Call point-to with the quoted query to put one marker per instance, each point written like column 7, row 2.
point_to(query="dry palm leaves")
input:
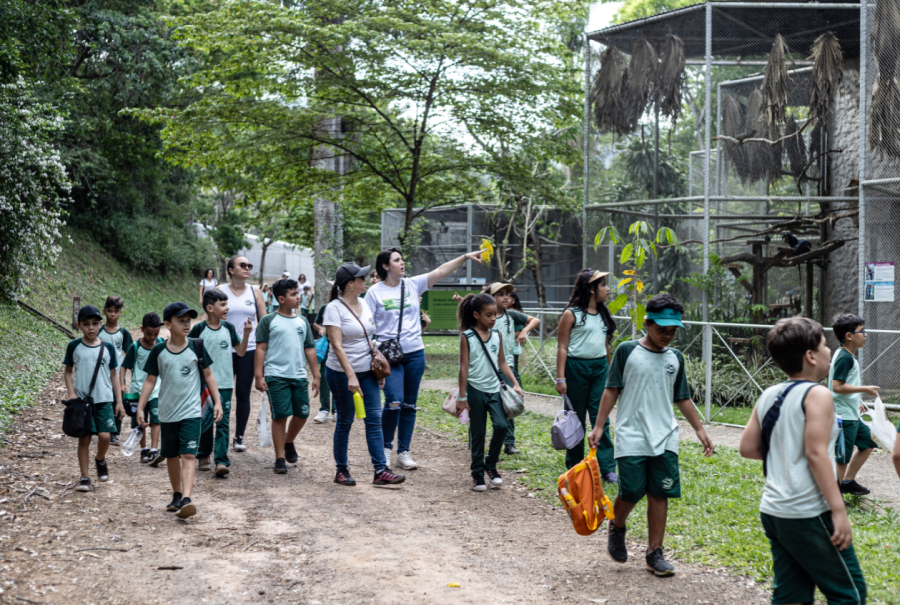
column 756, row 154
column 773, row 153
column 795, row 147
column 639, row 84
column 776, row 89
column 884, row 129
column 826, row 75
column 733, row 126
column 670, row 76
column 608, row 90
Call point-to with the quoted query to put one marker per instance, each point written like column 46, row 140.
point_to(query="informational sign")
column 76, row 305
column 441, row 308
column 879, row 282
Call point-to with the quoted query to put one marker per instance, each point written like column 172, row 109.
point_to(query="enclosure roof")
column 742, row 29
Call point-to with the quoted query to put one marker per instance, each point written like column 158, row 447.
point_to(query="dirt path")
column 266, row 538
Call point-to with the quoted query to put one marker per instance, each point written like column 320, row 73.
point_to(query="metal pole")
column 586, row 134
column 863, row 127
column 707, row 341
column 468, row 244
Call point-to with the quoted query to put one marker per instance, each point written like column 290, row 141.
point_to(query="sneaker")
column 387, row 456
column 511, row 450
column 114, row 440
column 175, row 504
column 290, row 453
column 102, row 470
column 853, row 488
column 145, row 455
column 343, row 477
column 155, row 458
column 84, row 485
column 203, row 464
column 221, row 470
column 657, row 563
column 321, row 417
column 238, row 445
column 478, row 484
column 280, row 467
column 186, row 509
column 406, row 462
column 615, row 544
column 496, row 479
column 611, row 478
column 386, row 477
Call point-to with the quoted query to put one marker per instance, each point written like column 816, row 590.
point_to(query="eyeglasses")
column 863, row 331
column 245, row 266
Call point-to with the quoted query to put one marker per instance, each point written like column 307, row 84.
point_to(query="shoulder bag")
column 380, row 367
column 513, row 405
column 567, row 431
column 79, row 412
column 391, row 349
column 207, row 407
column 770, row 419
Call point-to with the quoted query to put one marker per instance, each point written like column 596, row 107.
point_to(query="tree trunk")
column 326, row 261
column 266, row 242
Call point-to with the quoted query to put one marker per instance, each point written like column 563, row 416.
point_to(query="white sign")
column 879, row 282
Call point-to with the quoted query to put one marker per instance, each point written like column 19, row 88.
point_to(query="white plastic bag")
column 883, row 432
column 262, row 425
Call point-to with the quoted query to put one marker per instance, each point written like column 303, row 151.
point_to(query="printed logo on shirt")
column 301, row 332
column 223, row 344
column 493, row 348
column 185, row 371
column 668, row 483
column 392, row 304
column 248, row 303
column 671, row 369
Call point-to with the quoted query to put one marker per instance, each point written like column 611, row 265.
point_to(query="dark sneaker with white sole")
column 615, row 544
column 657, row 563
column 512, row 450
column 145, row 455
column 155, row 458
column 186, row 509
column 102, row 470
column 175, row 504
column 342, row 477
column 114, row 440
column 290, row 453
column 478, row 484
column 496, row 480
column 84, row 485
column 386, row 477
column 280, row 467
column 852, row 488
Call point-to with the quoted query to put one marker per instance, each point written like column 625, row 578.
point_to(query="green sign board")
column 441, row 308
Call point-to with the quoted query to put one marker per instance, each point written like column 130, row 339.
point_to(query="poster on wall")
column 879, row 282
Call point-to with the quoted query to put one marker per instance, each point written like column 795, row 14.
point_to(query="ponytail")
column 471, row 304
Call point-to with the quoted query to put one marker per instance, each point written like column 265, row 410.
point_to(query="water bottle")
column 360, row 406
column 131, row 443
column 464, row 417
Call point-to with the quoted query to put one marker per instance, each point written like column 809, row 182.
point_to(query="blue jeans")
column 401, row 392
column 346, row 412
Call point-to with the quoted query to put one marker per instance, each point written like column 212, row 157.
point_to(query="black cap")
column 178, row 309
column 88, row 311
column 349, row 271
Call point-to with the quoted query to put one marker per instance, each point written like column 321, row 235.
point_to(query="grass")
column 715, row 523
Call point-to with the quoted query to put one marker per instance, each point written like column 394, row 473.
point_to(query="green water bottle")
column 360, row 407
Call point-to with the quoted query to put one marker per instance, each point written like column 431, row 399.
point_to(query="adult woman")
column 244, row 302
column 586, row 330
column 350, row 327
column 207, row 283
column 401, row 388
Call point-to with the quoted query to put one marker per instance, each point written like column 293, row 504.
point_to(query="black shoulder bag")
column 79, row 412
column 391, row 349
column 769, row 421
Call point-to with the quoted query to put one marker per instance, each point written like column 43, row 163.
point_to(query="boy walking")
column 645, row 378
column 80, row 362
column 136, row 360
column 844, row 381
column 793, row 430
column 219, row 336
column 281, row 371
column 120, row 339
column 326, row 404
column 307, row 301
column 175, row 362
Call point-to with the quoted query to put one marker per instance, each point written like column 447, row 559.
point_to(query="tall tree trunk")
column 266, row 242
column 324, row 214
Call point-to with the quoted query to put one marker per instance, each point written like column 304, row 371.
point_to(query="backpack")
column 207, row 409
column 581, row 494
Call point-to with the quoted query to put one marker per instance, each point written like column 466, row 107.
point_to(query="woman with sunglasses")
column 244, row 302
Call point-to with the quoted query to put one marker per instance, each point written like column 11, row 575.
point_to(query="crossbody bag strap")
column 255, row 304
column 96, row 370
column 400, row 321
column 490, row 361
column 771, row 419
column 368, row 340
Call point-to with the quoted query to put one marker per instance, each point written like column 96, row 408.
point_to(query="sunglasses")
column 245, row 265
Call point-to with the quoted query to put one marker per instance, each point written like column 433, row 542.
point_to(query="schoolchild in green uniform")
column 506, row 324
column 135, row 360
column 219, row 336
column 479, row 386
column 80, row 362
column 282, row 341
column 120, row 339
column 586, row 330
column 845, row 383
column 793, row 430
column 176, row 364
column 646, row 376
column 326, row 404
column 307, row 300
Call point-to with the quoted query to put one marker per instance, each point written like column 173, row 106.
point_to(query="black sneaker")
column 478, row 484
column 290, row 453
column 84, row 485
column 175, row 504
column 114, row 440
column 496, row 480
column 343, row 477
column 615, row 543
column 186, row 509
column 386, row 477
column 102, row 470
column 853, row 488
column 155, row 458
column 145, row 455
column 511, row 450
column 280, row 467
column 657, row 563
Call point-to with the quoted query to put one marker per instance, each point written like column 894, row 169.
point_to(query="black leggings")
column 243, row 382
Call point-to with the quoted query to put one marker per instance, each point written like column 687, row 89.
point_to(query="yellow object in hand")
column 358, row 403
column 488, row 248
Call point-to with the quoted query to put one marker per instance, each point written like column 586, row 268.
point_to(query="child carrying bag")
column 79, row 412
column 883, row 431
column 581, row 494
column 513, row 405
column 567, row 431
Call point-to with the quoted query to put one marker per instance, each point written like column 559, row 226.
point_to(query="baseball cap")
column 88, row 311
column 499, row 287
column 286, row 275
column 349, row 271
column 666, row 317
column 178, row 309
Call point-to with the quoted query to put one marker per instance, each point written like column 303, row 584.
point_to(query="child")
column 136, row 360
column 281, row 371
column 793, row 430
column 175, row 362
column 218, row 337
column 307, row 300
column 506, row 324
column 80, row 362
column 844, row 381
column 646, row 376
column 479, row 385
column 267, row 297
column 120, row 339
column 326, row 402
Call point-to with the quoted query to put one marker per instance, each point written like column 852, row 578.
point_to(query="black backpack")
column 79, row 413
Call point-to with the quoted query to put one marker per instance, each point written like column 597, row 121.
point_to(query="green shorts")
column 856, row 434
column 657, row 476
column 179, row 438
column 288, row 397
column 103, row 419
column 151, row 411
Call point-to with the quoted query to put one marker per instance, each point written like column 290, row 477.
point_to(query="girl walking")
column 586, row 330
column 480, row 355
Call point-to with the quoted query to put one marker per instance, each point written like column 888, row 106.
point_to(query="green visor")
column 666, row 317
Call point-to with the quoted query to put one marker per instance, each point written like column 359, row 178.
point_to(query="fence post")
column 863, row 127
column 707, row 340
column 587, row 152
column 76, row 304
column 468, row 244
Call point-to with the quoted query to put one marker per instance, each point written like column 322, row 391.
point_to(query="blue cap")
column 178, row 309
column 666, row 317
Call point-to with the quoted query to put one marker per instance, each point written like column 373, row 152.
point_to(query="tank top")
column 588, row 340
column 240, row 308
column 209, row 284
column 481, row 374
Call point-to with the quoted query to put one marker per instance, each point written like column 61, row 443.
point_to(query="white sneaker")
column 239, row 445
column 406, row 461
column 387, row 456
column 321, row 417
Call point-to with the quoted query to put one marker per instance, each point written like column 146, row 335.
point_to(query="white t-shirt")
column 353, row 337
column 209, row 284
column 384, row 303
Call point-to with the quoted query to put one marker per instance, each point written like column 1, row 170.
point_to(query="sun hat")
column 500, row 287
column 597, row 275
